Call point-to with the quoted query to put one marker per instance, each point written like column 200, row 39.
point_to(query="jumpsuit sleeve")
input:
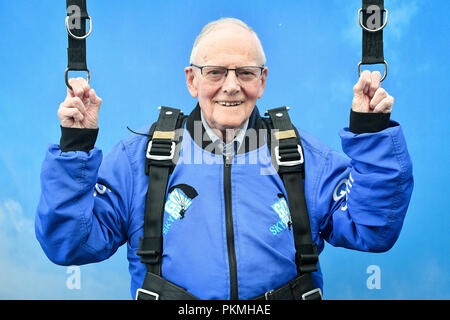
column 82, row 212
column 362, row 201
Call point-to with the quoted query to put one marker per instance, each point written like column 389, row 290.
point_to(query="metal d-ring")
column 385, row 70
column 373, row 30
column 79, row 37
column 66, row 76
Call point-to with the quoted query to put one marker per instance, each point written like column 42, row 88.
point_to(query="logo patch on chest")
column 178, row 201
column 282, row 210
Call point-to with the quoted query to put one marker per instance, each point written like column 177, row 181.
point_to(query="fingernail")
column 366, row 89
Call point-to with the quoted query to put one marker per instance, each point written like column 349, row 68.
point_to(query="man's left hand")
column 369, row 97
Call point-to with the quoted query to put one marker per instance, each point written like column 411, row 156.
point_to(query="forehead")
column 229, row 45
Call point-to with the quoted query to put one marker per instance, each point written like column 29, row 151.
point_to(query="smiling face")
column 229, row 104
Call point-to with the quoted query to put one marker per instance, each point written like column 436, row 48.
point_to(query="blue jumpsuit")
column 90, row 206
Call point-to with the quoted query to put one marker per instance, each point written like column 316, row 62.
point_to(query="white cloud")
column 12, row 220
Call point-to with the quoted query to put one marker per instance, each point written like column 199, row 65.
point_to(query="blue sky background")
column 137, row 52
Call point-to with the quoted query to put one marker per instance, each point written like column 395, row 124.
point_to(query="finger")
column 96, row 101
column 363, row 83
column 375, row 83
column 86, row 90
column 385, row 105
column 70, row 93
column 67, row 114
column 379, row 95
column 78, row 87
column 67, row 122
column 75, row 103
column 76, row 90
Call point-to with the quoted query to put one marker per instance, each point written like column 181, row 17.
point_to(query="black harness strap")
column 287, row 151
column 162, row 289
column 160, row 155
column 300, row 288
column 373, row 15
column 76, row 29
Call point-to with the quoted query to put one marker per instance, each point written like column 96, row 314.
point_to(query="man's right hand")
column 80, row 109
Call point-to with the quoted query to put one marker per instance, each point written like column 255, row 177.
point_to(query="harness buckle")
column 315, row 294
column 148, row 293
column 161, row 157
column 288, row 163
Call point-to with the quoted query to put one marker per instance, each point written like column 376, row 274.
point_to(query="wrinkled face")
column 230, row 46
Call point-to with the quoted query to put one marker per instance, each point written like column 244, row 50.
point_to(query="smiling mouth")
column 229, row 103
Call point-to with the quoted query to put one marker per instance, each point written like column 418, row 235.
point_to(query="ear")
column 263, row 82
column 191, row 81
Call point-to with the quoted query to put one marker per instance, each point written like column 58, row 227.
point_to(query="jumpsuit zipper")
column 229, row 228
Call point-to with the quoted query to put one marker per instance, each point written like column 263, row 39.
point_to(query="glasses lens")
column 214, row 74
column 248, row 74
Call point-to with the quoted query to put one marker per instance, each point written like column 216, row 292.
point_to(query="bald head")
column 217, row 34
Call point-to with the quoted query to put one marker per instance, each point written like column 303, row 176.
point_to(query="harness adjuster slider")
column 307, row 258
column 149, row 256
column 289, row 163
column 170, row 150
column 150, row 250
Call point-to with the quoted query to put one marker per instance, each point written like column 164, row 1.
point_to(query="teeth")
column 229, row 103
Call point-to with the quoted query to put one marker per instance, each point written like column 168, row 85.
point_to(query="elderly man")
column 226, row 225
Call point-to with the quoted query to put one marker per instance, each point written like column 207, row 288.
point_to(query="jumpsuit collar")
column 201, row 133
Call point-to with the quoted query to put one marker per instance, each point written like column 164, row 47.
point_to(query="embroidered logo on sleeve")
column 282, row 210
column 343, row 188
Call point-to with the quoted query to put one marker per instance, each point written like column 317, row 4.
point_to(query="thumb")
column 96, row 101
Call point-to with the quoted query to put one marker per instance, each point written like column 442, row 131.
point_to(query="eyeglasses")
column 217, row 74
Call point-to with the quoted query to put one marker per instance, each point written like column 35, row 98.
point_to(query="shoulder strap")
column 287, row 157
column 161, row 155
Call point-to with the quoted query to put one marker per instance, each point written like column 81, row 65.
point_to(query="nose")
column 231, row 84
